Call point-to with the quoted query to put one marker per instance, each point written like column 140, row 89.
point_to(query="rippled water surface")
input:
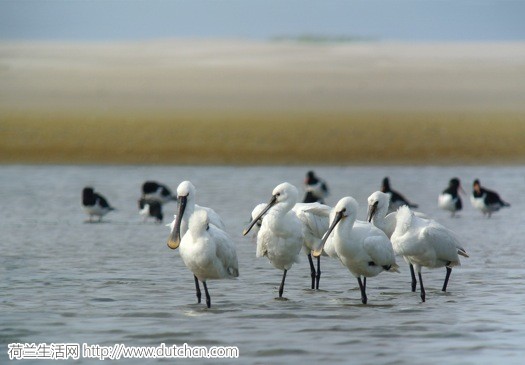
column 66, row 281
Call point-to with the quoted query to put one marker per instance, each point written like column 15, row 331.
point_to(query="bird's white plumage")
column 313, row 216
column 479, row 204
column 378, row 208
column 315, row 219
column 208, row 251
column 188, row 190
column 358, row 244
column 424, row 242
column 447, row 202
column 281, row 236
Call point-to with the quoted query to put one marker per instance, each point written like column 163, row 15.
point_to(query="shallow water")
column 65, row 281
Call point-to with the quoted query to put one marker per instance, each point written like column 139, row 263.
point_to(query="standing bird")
column 396, row 200
column 315, row 220
column 152, row 190
column 487, row 201
column 186, row 209
column 315, row 187
column 424, row 242
column 364, row 249
column 280, row 237
column 449, row 199
column 208, row 252
column 95, row 204
column 378, row 213
column 150, row 208
column 378, row 203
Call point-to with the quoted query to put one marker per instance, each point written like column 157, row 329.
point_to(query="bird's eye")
column 278, row 194
column 207, row 227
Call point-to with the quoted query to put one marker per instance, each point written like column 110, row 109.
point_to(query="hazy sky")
column 408, row 20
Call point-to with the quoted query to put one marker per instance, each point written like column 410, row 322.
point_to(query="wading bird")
column 425, row 243
column 378, row 213
column 315, row 219
column 152, row 190
column 186, row 209
column 208, row 252
column 363, row 248
column 449, row 199
column 95, row 204
column 316, row 189
column 485, row 200
column 150, row 208
column 280, row 237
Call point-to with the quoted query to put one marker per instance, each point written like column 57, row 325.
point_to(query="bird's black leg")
column 197, row 289
column 281, row 287
column 449, row 270
column 422, row 287
column 312, row 270
column 414, row 281
column 208, row 299
column 362, row 287
column 318, row 275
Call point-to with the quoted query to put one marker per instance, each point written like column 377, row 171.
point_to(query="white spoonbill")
column 186, row 208
column 424, row 242
column 485, row 200
column 449, row 199
column 315, row 219
column 364, row 249
column 280, row 237
column 378, row 207
column 208, row 252
column 95, row 204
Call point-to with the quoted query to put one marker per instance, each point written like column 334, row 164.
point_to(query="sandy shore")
column 237, row 102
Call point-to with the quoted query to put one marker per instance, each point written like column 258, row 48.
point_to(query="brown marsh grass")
column 244, row 138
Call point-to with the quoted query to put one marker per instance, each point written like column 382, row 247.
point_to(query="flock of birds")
column 284, row 227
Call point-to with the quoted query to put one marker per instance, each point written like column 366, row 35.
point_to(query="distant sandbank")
column 239, row 102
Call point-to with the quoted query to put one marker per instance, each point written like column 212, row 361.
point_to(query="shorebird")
column 95, row 204
column 425, row 243
column 280, row 237
column 449, row 199
column 208, row 252
column 186, row 209
column 152, row 190
column 315, row 220
column 378, row 215
column 150, row 208
column 485, row 200
column 315, row 187
column 363, row 248
column 396, row 199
